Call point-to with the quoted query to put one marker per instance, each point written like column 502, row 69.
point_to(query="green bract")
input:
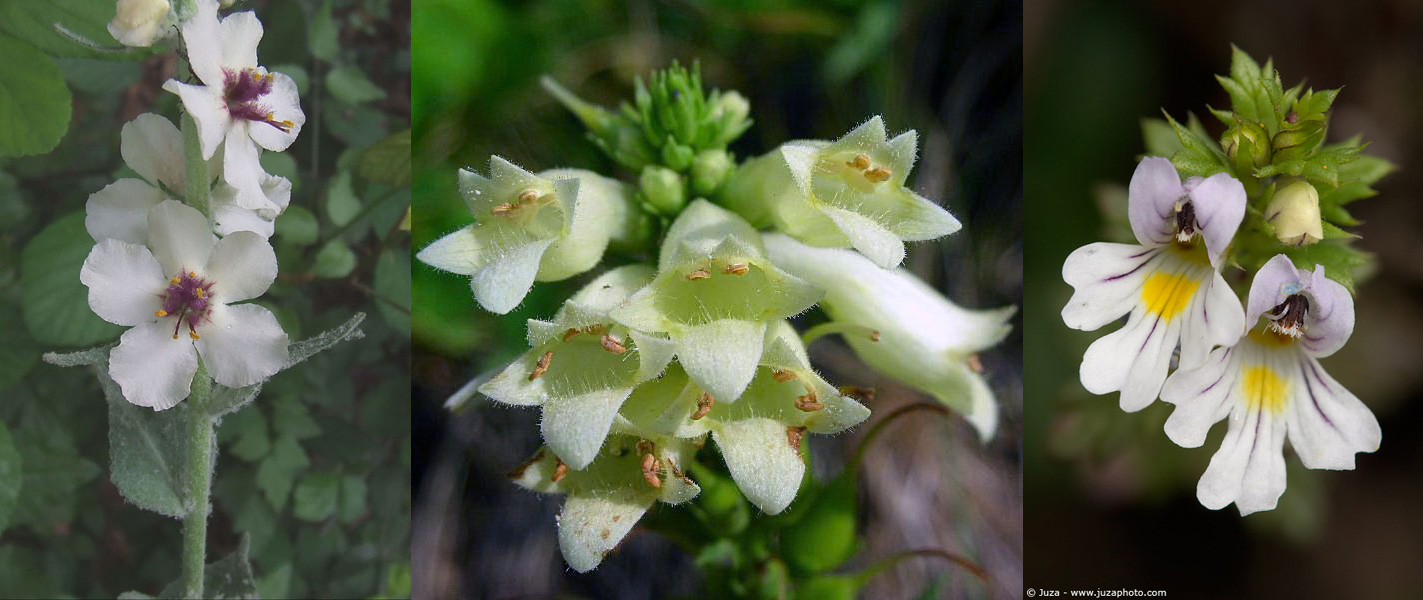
column 548, row 227
column 850, row 192
column 714, row 294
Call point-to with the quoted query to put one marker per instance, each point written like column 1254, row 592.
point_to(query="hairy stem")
column 197, row 169
column 842, row 328
column 199, row 482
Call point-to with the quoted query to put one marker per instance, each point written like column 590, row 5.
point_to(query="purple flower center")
column 243, row 92
column 188, row 299
column 1288, row 317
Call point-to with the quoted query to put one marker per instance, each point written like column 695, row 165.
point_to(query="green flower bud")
column 824, row 536
column 729, row 110
column 1293, row 211
column 1247, row 145
column 618, row 136
column 850, row 192
column 1298, row 141
column 710, row 169
column 663, row 189
column 677, row 156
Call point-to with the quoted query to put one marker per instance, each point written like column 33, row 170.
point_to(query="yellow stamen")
column 1264, row 389
column 528, row 196
column 560, row 471
column 200, row 292
column 737, row 269
column 704, row 406
column 175, row 280
column 192, row 273
column 1167, row 295
column 612, row 345
column 698, row 275
column 793, row 437
column 861, row 162
column 542, row 365
column 878, row 175
column 782, row 376
column 808, row 403
column 650, row 468
column 193, row 334
column 161, row 313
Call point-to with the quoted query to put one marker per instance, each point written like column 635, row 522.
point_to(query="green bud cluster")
column 1298, row 185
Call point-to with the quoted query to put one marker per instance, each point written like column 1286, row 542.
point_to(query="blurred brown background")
column 810, row 69
column 1110, row 500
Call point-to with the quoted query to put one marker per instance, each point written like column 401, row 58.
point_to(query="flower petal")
column 1132, row 360
column 1327, row 423
column 1274, row 282
column 458, row 252
column 228, row 217
column 919, row 218
column 878, row 244
column 700, row 229
column 502, row 284
column 512, row 385
column 574, row 427
column 120, row 211
column 153, row 147
column 242, row 267
column 1249, row 468
column 179, row 236
column 721, row 356
column 1203, row 396
column 1330, row 320
column 240, row 34
column 590, row 526
column 1106, row 280
column 151, row 367
column 1151, row 198
column 1219, row 204
column 124, row 282
column 242, row 168
column 761, row 460
column 242, row 345
column 203, row 35
column 208, row 109
column 285, row 105
column 1215, row 318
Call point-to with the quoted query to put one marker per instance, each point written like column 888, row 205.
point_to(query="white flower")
column 1170, row 285
column 714, row 295
column 153, row 147
column 1271, row 386
column 528, row 227
column 850, row 192
column 925, row 340
column 185, row 279
column 141, row 22
column 240, row 102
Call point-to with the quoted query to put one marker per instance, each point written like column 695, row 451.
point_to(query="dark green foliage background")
column 316, row 471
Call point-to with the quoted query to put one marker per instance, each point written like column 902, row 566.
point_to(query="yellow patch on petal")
column 1274, row 339
column 1264, row 389
column 1167, row 295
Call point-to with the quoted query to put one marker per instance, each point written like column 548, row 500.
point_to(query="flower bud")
column 710, row 169
column 1294, row 213
column 140, row 22
column 663, row 189
column 1247, row 145
column 1299, row 140
column 729, row 110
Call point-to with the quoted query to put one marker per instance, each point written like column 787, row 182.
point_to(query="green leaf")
column 388, row 161
column 278, row 470
column 350, row 85
column 277, row 582
column 316, row 496
column 226, row 400
column 53, row 471
column 334, row 261
column 291, row 418
column 11, row 476
column 55, row 303
column 282, row 164
column 298, row 226
column 34, row 102
column 1160, row 137
column 250, row 426
column 1332, row 232
column 148, row 452
column 342, row 205
column 353, row 499
column 38, row 23
column 1197, row 157
column 17, row 354
column 392, row 284
column 321, row 34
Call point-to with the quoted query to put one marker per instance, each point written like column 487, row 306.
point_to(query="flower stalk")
column 199, row 481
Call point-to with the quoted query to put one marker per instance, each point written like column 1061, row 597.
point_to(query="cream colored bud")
column 1294, row 212
column 140, row 22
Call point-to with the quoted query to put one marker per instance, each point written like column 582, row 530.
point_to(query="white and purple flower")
column 1169, row 286
column 177, row 294
column 1271, row 386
